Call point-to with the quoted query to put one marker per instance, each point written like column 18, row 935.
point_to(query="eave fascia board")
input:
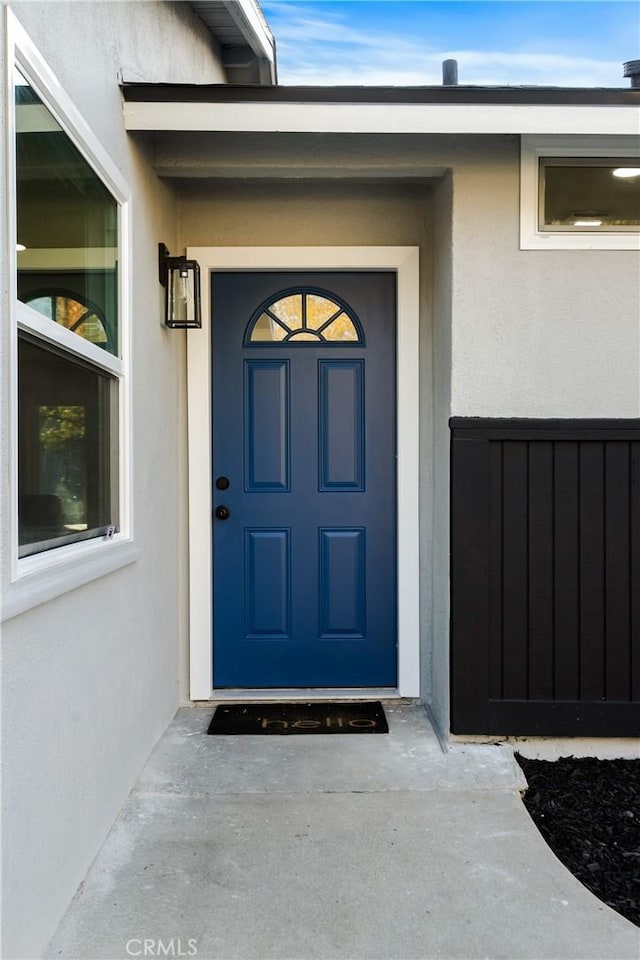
column 383, row 118
column 457, row 96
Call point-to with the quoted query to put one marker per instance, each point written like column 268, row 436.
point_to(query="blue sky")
column 556, row 42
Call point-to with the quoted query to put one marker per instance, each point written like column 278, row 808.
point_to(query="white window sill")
column 45, row 576
column 533, row 240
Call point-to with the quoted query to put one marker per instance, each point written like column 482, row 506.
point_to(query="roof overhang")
column 385, row 110
column 246, row 42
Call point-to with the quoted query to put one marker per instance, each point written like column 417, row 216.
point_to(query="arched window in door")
column 304, row 315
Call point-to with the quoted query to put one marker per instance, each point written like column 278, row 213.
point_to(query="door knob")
column 222, row 483
column 222, row 512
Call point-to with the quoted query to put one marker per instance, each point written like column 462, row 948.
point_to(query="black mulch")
column 588, row 811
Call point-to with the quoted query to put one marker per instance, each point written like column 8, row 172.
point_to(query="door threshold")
column 301, row 693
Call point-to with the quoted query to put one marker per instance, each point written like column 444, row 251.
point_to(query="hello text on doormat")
column 269, row 719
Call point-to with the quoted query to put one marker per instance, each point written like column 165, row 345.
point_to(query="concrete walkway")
column 332, row 847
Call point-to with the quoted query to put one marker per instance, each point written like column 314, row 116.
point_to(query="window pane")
column 341, row 328
column 319, row 309
column 289, row 310
column 66, row 474
column 67, row 222
column 590, row 196
column 267, row 329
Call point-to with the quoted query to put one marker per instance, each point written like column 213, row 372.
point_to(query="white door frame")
column 405, row 263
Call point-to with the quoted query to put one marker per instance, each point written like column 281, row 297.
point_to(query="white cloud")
column 321, row 49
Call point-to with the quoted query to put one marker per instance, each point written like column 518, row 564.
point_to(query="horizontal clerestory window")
column 589, row 194
column 580, row 192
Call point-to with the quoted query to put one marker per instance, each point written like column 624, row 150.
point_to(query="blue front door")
column 304, row 468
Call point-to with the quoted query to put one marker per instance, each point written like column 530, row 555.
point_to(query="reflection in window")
column 80, row 318
column 596, row 194
column 309, row 317
column 67, row 222
column 65, row 473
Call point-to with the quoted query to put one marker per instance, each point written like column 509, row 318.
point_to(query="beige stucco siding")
column 535, row 333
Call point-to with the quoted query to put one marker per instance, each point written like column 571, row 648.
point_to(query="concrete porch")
column 332, row 848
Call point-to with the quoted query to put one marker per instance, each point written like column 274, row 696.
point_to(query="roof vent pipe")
column 632, row 70
column 449, row 73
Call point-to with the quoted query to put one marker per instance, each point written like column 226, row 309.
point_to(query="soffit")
column 242, row 32
column 237, row 23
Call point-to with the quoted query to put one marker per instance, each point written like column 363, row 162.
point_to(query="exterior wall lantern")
column 181, row 279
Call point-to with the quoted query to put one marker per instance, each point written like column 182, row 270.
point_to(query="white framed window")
column 68, row 214
column 580, row 193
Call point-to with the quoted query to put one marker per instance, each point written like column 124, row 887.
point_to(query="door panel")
column 342, row 584
column 266, row 425
column 304, row 429
column 267, row 583
column 341, row 424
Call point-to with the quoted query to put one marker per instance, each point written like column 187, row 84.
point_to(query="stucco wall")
column 299, row 213
column 90, row 679
column 438, row 615
column 535, row 333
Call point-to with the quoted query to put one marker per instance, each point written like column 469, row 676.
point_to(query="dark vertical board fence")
column 545, row 591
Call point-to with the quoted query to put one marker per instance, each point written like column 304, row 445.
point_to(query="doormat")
column 290, row 718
